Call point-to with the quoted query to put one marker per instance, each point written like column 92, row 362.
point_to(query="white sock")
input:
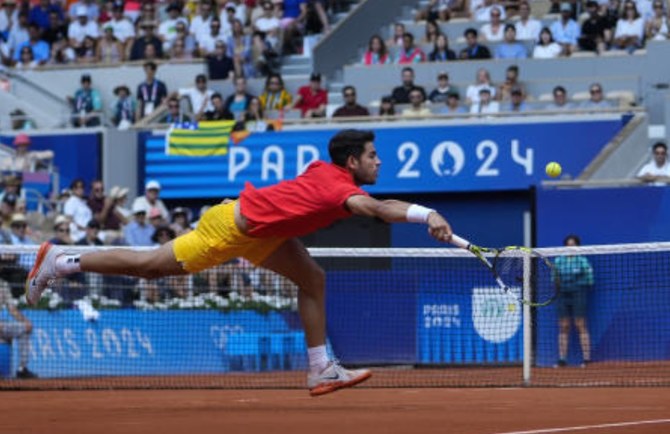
column 318, row 359
column 68, row 264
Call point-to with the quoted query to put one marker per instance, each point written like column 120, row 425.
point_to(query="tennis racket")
column 508, row 265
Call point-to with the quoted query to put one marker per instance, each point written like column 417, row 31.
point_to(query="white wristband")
column 418, row 213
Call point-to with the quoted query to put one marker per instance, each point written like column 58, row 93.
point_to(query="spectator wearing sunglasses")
column 351, row 107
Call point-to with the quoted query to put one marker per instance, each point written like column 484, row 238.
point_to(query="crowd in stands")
column 251, row 34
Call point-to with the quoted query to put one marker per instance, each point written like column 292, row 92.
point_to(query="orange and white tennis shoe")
column 43, row 273
column 335, row 377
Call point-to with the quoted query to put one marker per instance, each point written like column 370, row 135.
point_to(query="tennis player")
column 263, row 226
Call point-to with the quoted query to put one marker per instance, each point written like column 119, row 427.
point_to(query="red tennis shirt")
column 298, row 207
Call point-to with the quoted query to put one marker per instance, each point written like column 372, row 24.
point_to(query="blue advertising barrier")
column 130, row 342
column 414, row 159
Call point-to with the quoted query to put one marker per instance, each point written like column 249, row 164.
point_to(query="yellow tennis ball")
column 553, row 169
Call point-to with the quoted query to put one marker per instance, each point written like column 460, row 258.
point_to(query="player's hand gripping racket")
column 507, row 266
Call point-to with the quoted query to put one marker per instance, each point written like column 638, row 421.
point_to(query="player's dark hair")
column 348, row 143
column 573, row 237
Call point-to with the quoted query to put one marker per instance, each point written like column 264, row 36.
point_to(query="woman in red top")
column 263, row 226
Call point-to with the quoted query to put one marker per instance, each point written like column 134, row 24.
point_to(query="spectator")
column 9, row 14
column 155, row 218
column 26, row 59
column 89, row 7
column 546, row 47
column 527, row 28
column 21, row 121
column 516, row 103
column 167, row 30
column 19, row 237
column 62, row 232
column 275, row 96
column 102, row 207
column 138, row 232
column 432, row 32
column 493, row 31
column 560, row 100
column 438, row 10
column 147, row 12
column 178, row 50
column 410, row 53
column 123, row 29
column 86, row 105
column 138, row 50
column 483, row 81
column 219, row 65
column 7, row 209
column 265, row 52
column 656, row 27
column 82, row 27
column 181, row 220
column 484, row 9
column 350, row 108
column 510, row 48
column 20, row 329
column 440, row 94
column 657, row 171
column 253, row 119
column 151, row 199
column 441, row 51
column 268, row 22
column 387, row 106
column 400, row 93
column 453, row 105
column 109, row 49
column 124, row 108
column 574, row 275
column 56, row 33
column 200, row 24
column 18, row 35
column 611, row 13
column 91, row 237
column 292, row 21
column 511, row 82
column 238, row 102
column 39, row 14
column 40, row 49
column 119, row 196
column 207, row 42
column 87, row 51
column 199, row 96
column 239, row 49
column 398, row 35
column 597, row 99
column 417, row 107
column 77, row 210
column 377, row 53
column 218, row 112
column 174, row 113
column 312, row 99
column 151, row 93
column 226, row 18
column 566, row 30
column 485, row 103
column 24, row 160
column 629, row 33
column 473, row 50
column 594, row 30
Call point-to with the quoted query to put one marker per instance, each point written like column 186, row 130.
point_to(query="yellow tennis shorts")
column 217, row 239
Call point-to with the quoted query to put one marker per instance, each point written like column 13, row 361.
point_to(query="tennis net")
column 419, row 317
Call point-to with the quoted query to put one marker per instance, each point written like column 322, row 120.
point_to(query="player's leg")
column 293, row 261
column 564, row 315
column 580, row 325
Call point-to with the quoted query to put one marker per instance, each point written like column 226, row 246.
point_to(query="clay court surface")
column 405, row 410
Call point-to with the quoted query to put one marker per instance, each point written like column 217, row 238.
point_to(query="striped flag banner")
column 199, row 139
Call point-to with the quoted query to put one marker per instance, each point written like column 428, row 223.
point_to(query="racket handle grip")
column 459, row 242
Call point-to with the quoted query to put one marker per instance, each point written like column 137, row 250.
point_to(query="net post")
column 527, row 322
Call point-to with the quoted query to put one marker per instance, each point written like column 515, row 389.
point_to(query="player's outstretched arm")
column 393, row 211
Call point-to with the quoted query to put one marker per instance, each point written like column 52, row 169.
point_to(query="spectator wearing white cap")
column 62, row 231
column 138, row 232
column 24, row 160
column 150, row 199
column 82, row 27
